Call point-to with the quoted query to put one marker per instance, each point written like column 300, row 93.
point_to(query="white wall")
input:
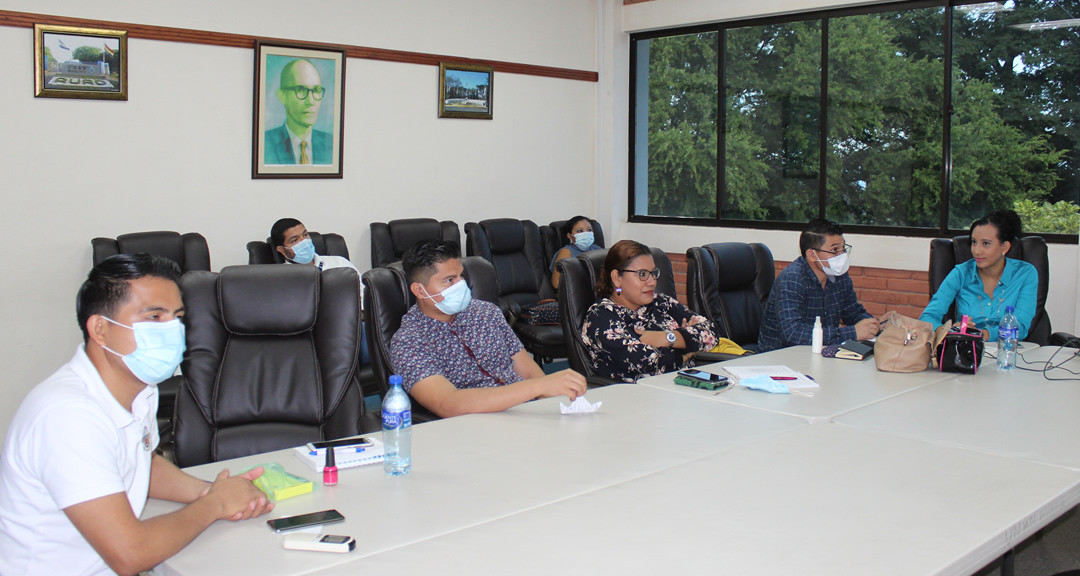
column 177, row 155
column 879, row 251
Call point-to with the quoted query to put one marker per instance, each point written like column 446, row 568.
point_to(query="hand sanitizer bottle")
column 818, row 336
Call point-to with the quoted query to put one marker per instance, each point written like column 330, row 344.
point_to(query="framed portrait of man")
column 299, row 123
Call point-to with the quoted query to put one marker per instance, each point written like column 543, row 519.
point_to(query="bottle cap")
column 1009, row 309
column 330, row 457
column 395, row 380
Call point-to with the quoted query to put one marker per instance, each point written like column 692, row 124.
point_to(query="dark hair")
column 813, row 236
column 420, row 259
column 568, row 228
column 107, row 286
column 1006, row 222
column 277, row 231
column 618, row 257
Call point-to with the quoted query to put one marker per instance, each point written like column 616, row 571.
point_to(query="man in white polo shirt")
column 78, row 461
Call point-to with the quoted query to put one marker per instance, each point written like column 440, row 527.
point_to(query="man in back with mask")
column 816, row 284
column 457, row 355
column 290, row 238
column 78, row 461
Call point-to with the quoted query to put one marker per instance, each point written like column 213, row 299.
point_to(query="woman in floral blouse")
column 631, row 331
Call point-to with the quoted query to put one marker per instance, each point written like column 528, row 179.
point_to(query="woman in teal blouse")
column 983, row 286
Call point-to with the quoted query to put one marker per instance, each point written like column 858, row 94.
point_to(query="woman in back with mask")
column 578, row 232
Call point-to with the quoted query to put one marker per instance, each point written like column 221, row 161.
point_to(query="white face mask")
column 835, row 266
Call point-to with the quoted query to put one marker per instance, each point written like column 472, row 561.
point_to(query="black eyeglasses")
column 302, row 92
column 644, row 274
column 837, row 252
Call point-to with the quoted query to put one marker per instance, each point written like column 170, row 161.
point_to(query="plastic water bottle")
column 816, row 336
column 397, row 430
column 1008, row 331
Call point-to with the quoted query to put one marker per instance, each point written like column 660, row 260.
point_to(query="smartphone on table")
column 358, row 441
column 288, row 523
column 701, row 379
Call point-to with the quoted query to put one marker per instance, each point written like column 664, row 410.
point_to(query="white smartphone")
column 319, row 543
column 358, row 441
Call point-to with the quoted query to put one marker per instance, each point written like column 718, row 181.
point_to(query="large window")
column 913, row 118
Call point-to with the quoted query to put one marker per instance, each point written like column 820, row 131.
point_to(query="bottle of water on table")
column 397, row 430
column 1008, row 332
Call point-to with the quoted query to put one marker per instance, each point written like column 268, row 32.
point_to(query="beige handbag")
column 905, row 345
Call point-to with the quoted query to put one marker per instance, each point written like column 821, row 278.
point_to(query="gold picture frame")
column 309, row 113
column 465, row 90
column 65, row 64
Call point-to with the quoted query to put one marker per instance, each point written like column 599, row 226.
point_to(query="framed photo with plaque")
column 72, row 62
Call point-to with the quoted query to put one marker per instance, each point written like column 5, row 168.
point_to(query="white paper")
column 800, row 382
column 580, row 406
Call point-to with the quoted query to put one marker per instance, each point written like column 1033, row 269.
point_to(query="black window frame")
column 942, row 231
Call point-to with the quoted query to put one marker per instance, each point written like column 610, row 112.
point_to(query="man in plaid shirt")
column 816, row 284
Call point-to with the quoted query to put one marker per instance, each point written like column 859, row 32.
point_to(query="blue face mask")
column 583, row 240
column 159, row 348
column 765, row 384
column 455, row 298
column 303, row 251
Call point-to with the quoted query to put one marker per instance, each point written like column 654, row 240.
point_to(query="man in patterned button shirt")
column 457, row 355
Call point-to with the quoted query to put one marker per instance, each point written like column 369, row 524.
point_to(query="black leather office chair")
column 388, row 299
column 261, row 252
column 728, row 283
column 577, row 292
column 513, row 248
column 946, row 253
column 390, row 240
column 554, row 239
column 262, row 376
column 190, row 252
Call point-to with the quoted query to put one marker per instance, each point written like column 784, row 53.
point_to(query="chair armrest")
column 600, row 381
column 710, row 357
column 1064, row 339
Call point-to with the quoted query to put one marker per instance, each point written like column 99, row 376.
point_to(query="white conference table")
column 821, row 500
column 846, row 385
column 660, row 480
column 475, row 469
column 1016, row 414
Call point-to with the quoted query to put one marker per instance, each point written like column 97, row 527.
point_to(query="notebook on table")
column 344, row 457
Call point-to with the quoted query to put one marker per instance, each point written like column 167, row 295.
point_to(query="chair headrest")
column 505, row 235
column 735, row 265
column 406, row 233
column 166, row 244
column 259, row 300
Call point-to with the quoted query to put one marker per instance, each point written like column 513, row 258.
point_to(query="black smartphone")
column 305, row 520
column 354, row 441
column 703, row 375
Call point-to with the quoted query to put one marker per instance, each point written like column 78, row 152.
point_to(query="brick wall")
column 878, row 289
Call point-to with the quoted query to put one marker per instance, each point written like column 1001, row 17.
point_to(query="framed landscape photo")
column 299, row 123
column 72, row 62
column 465, row 90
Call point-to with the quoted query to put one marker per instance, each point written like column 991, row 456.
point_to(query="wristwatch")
column 671, row 337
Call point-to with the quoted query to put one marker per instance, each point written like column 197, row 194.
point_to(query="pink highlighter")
column 329, row 473
column 963, row 324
